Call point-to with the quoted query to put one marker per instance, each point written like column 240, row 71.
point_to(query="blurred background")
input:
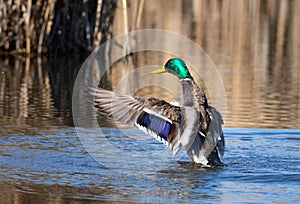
column 255, row 47
column 254, row 44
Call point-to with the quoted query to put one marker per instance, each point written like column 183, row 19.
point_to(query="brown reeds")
column 54, row 27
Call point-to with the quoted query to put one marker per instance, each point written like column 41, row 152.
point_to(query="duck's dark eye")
column 169, row 63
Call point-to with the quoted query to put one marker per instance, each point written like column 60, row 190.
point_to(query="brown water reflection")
column 36, row 92
column 254, row 44
column 31, row 193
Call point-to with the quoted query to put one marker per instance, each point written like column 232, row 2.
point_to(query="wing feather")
column 156, row 117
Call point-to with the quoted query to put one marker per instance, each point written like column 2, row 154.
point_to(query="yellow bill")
column 157, row 71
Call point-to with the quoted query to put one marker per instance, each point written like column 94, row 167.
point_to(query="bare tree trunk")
column 42, row 33
column 97, row 34
column 126, row 46
column 28, row 27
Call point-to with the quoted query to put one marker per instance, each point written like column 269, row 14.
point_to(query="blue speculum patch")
column 156, row 124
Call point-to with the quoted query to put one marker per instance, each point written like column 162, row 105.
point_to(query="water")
column 256, row 52
column 52, row 165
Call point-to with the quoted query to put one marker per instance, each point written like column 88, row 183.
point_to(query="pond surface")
column 256, row 50
column 263, row 166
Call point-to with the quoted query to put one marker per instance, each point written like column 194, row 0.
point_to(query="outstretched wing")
column 155, row 117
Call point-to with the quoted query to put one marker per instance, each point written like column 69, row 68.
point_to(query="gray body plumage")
column 205, row 141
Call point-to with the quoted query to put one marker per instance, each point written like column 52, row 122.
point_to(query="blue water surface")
column 263, row 166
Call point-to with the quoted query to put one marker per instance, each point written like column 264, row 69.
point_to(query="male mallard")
column 194, row 125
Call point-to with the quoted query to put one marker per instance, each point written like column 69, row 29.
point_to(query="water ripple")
column 259, row 162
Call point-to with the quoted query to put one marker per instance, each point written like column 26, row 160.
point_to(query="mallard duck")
column 194, row 125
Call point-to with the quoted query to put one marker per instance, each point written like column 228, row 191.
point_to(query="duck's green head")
column 175, row 66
